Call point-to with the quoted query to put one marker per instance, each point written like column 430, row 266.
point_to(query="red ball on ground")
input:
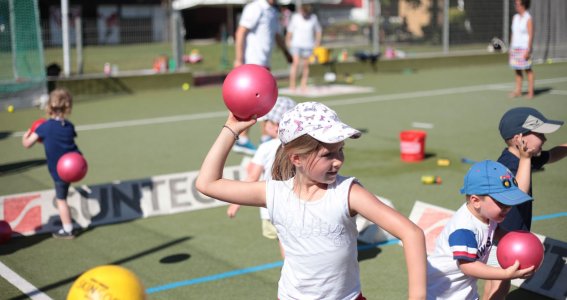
column 522, row 246
column 36, row 124
column 249, row 90
column 72, row 167
column 5, row 231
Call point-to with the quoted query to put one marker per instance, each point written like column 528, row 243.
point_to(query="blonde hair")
column 60, row 103
column 283, row 168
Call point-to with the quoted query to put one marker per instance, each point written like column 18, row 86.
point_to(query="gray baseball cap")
column 525, row 119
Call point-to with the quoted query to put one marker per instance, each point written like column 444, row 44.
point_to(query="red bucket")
column 412, row 145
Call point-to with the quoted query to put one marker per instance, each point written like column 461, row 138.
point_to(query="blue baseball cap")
column 525, row 119
column 495, row 180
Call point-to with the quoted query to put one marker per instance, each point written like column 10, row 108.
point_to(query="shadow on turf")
column 540, row 91
column 427, row 155
column 367, row 251
column 116, row 262
column 20, row 166
column 174, row 258
column 5, row 134
column 22, row 242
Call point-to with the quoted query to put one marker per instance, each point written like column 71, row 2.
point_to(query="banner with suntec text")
column 36, row 212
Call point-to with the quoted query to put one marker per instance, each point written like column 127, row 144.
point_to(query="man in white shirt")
column 254, row 39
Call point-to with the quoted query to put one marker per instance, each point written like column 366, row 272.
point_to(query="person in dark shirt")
column 58, row 137
column 523, row 129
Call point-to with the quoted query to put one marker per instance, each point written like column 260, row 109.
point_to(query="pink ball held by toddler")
column 520, row 245
column 72, row 167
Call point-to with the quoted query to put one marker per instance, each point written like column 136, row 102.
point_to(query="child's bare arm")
column 254, row 171
column 239, row 43
column 365, row 203
column 29, row 138
column 210, row 180
column 524, row 168
column 480, row 270
column 232, row 210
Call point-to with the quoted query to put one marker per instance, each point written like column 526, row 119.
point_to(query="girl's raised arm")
column 210, row 181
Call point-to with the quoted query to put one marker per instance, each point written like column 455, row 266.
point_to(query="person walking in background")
column 285, row 16
column 257, row 30
column 523, row 130
column 303, row 35
column 58, row 137
column 521, row 43
column 312, row 206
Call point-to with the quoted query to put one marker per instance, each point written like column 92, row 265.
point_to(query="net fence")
column 550, row 34
column 416, row 27
column 22, row 70
column 131, row 37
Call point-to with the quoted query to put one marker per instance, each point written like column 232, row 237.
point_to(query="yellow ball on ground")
column 186, row 86
column 10, row 108
column 107, row 282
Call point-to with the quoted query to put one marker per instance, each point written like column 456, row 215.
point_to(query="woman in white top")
column 303, row 35
column 521, row 48
column 313, row 207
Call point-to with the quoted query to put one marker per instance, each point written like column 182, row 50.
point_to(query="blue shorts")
column 61, row 190
column 302, row 52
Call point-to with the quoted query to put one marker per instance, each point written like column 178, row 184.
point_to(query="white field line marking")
column 439, row 92
column 422, row 125
column 142, row 122
column 351, row 101
column 22, row 284
column 558, row 92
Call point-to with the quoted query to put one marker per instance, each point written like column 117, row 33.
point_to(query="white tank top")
column 319, row 239
column 520, row 34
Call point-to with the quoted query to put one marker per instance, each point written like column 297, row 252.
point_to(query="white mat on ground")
column 326, row 90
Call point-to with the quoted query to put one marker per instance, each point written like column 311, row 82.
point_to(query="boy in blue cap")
column 462, row 248
column 523, row 129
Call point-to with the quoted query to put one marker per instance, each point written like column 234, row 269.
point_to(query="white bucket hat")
column 316, row 120
column 282, row 105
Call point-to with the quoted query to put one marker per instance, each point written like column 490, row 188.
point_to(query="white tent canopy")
column 183, row 4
